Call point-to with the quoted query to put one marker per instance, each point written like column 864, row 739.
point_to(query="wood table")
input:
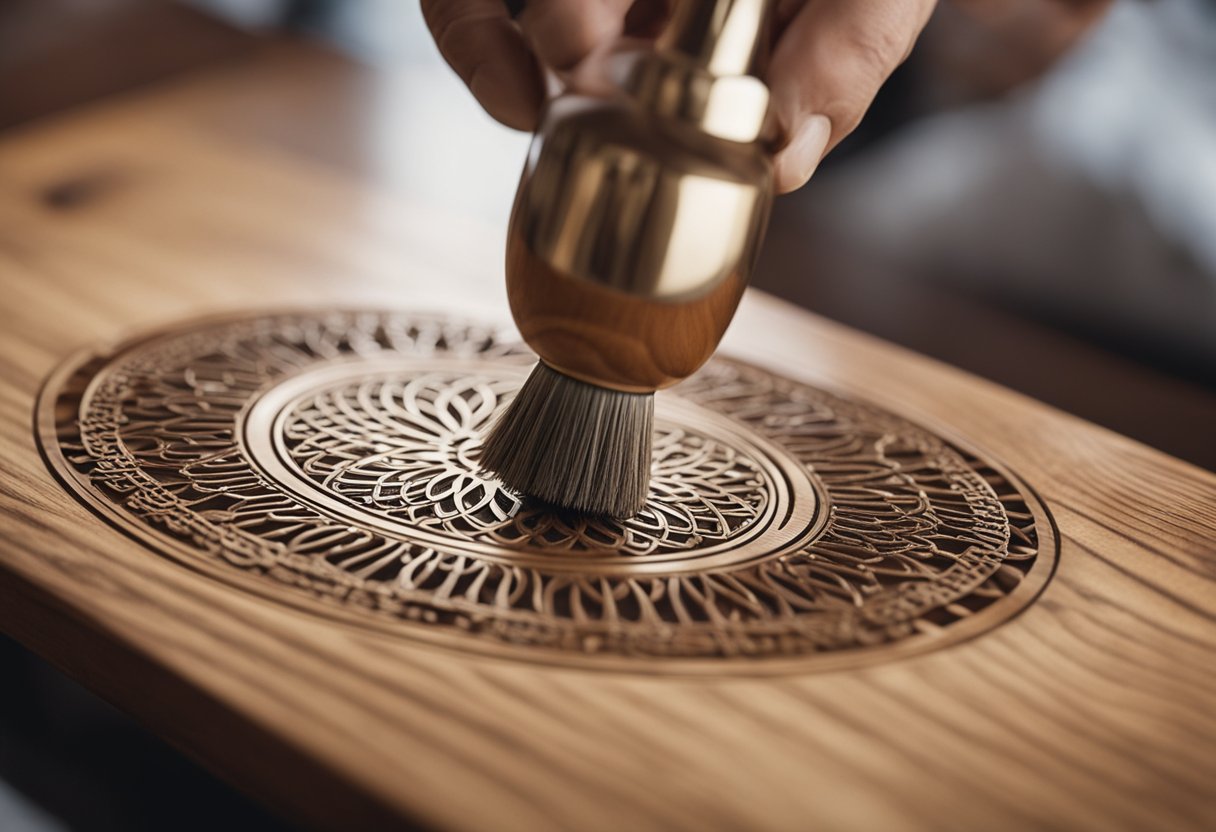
column 1094, row 708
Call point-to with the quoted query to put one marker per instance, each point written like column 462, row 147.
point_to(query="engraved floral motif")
column 407, row 448
column 915, row 538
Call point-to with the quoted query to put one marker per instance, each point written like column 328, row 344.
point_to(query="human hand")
column 828, row 62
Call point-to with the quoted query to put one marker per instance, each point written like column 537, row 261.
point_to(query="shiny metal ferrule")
column 644, row 200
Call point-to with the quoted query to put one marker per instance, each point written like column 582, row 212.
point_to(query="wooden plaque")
column 240, row 409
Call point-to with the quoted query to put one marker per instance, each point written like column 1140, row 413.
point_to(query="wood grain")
column 1094, row 709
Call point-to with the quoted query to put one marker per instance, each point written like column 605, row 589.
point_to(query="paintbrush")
column 637, row 221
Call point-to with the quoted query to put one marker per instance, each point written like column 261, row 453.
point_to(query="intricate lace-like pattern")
column 407, row 447
column 330, row 461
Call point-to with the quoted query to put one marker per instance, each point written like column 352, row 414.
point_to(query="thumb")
column 829, row 63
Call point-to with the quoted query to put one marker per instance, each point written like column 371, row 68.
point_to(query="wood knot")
column 76, row 192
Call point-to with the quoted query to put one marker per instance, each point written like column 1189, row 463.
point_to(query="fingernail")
column 798, row 159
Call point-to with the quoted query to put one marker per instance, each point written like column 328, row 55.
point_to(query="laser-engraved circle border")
column 793, row 513
column 63, row 401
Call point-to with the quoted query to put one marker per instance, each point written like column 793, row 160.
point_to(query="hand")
column 829, row 60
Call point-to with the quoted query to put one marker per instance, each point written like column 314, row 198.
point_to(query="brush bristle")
column 574, row 444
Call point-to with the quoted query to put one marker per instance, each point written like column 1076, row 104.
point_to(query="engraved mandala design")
column 407, row 447
column 329, row 460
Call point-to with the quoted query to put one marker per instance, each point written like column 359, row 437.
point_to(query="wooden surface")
column 58, row 53
column 1094, row 709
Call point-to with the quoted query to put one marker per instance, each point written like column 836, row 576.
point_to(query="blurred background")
column 1032, row 198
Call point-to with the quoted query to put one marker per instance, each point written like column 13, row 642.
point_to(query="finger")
column 830, row 61
column 563, row 32
column 485, row 48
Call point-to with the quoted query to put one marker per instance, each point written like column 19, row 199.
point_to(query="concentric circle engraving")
column 393, row 445
column 329, row 460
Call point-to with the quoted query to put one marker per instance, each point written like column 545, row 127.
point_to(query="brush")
column 637, row 221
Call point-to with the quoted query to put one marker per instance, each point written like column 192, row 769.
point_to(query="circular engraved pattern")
column 393, row 445
column 329, row 460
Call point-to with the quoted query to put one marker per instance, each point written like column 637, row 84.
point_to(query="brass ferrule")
column 644, row 200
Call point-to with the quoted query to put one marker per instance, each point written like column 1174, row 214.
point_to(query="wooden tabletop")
column 1092, row 709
